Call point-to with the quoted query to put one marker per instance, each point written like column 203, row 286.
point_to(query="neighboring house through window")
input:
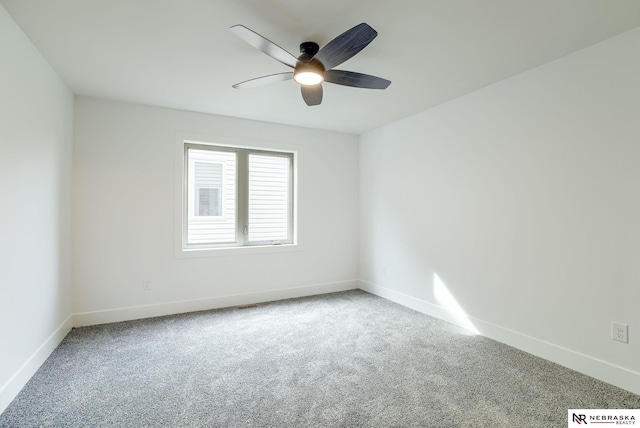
column 237, row 197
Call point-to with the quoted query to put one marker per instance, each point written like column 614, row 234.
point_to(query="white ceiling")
column 181, row 54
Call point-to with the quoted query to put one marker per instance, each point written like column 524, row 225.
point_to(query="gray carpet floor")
column 346, row 359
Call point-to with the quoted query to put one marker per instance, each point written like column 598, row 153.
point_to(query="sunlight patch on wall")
column 448, row 302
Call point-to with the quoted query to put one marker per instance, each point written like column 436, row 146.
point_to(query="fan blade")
column 312, row 94
column 264, row 80
column 357, row 80
column 264, row 45
column 346, row 45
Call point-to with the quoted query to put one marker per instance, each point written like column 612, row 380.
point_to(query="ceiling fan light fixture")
column 315, row 65
column 308, row 77
column 308, row 72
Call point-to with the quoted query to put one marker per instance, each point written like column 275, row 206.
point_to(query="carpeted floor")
column 347, row 359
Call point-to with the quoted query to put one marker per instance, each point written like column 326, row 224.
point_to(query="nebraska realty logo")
column 598, row 417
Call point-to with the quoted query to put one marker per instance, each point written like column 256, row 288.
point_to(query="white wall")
column 125, row 208
column 523, row 198
column 36, row 123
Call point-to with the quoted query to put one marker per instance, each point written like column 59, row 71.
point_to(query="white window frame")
column 182, row 250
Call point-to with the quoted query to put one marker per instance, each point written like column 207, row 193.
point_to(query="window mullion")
column 243, row 197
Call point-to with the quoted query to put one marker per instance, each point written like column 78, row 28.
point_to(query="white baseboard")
column 602, row 370
column 12, row 387
column 149, row 311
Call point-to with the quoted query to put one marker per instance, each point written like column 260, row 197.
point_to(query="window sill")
column 236, row 251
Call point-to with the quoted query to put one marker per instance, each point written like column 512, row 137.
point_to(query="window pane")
column 208, row 182
column 211, row 182
column 269, row 188
column 209, row 202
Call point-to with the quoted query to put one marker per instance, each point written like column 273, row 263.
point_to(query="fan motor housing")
column 306, row 63
column 308, row 49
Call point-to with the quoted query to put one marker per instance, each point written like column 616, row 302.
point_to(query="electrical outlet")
column 619, row 332
column 146, row 285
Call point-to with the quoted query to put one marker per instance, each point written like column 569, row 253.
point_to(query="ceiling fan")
column 315, row 65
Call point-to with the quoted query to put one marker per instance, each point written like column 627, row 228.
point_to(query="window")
column 208, row 186
column 237, row 197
